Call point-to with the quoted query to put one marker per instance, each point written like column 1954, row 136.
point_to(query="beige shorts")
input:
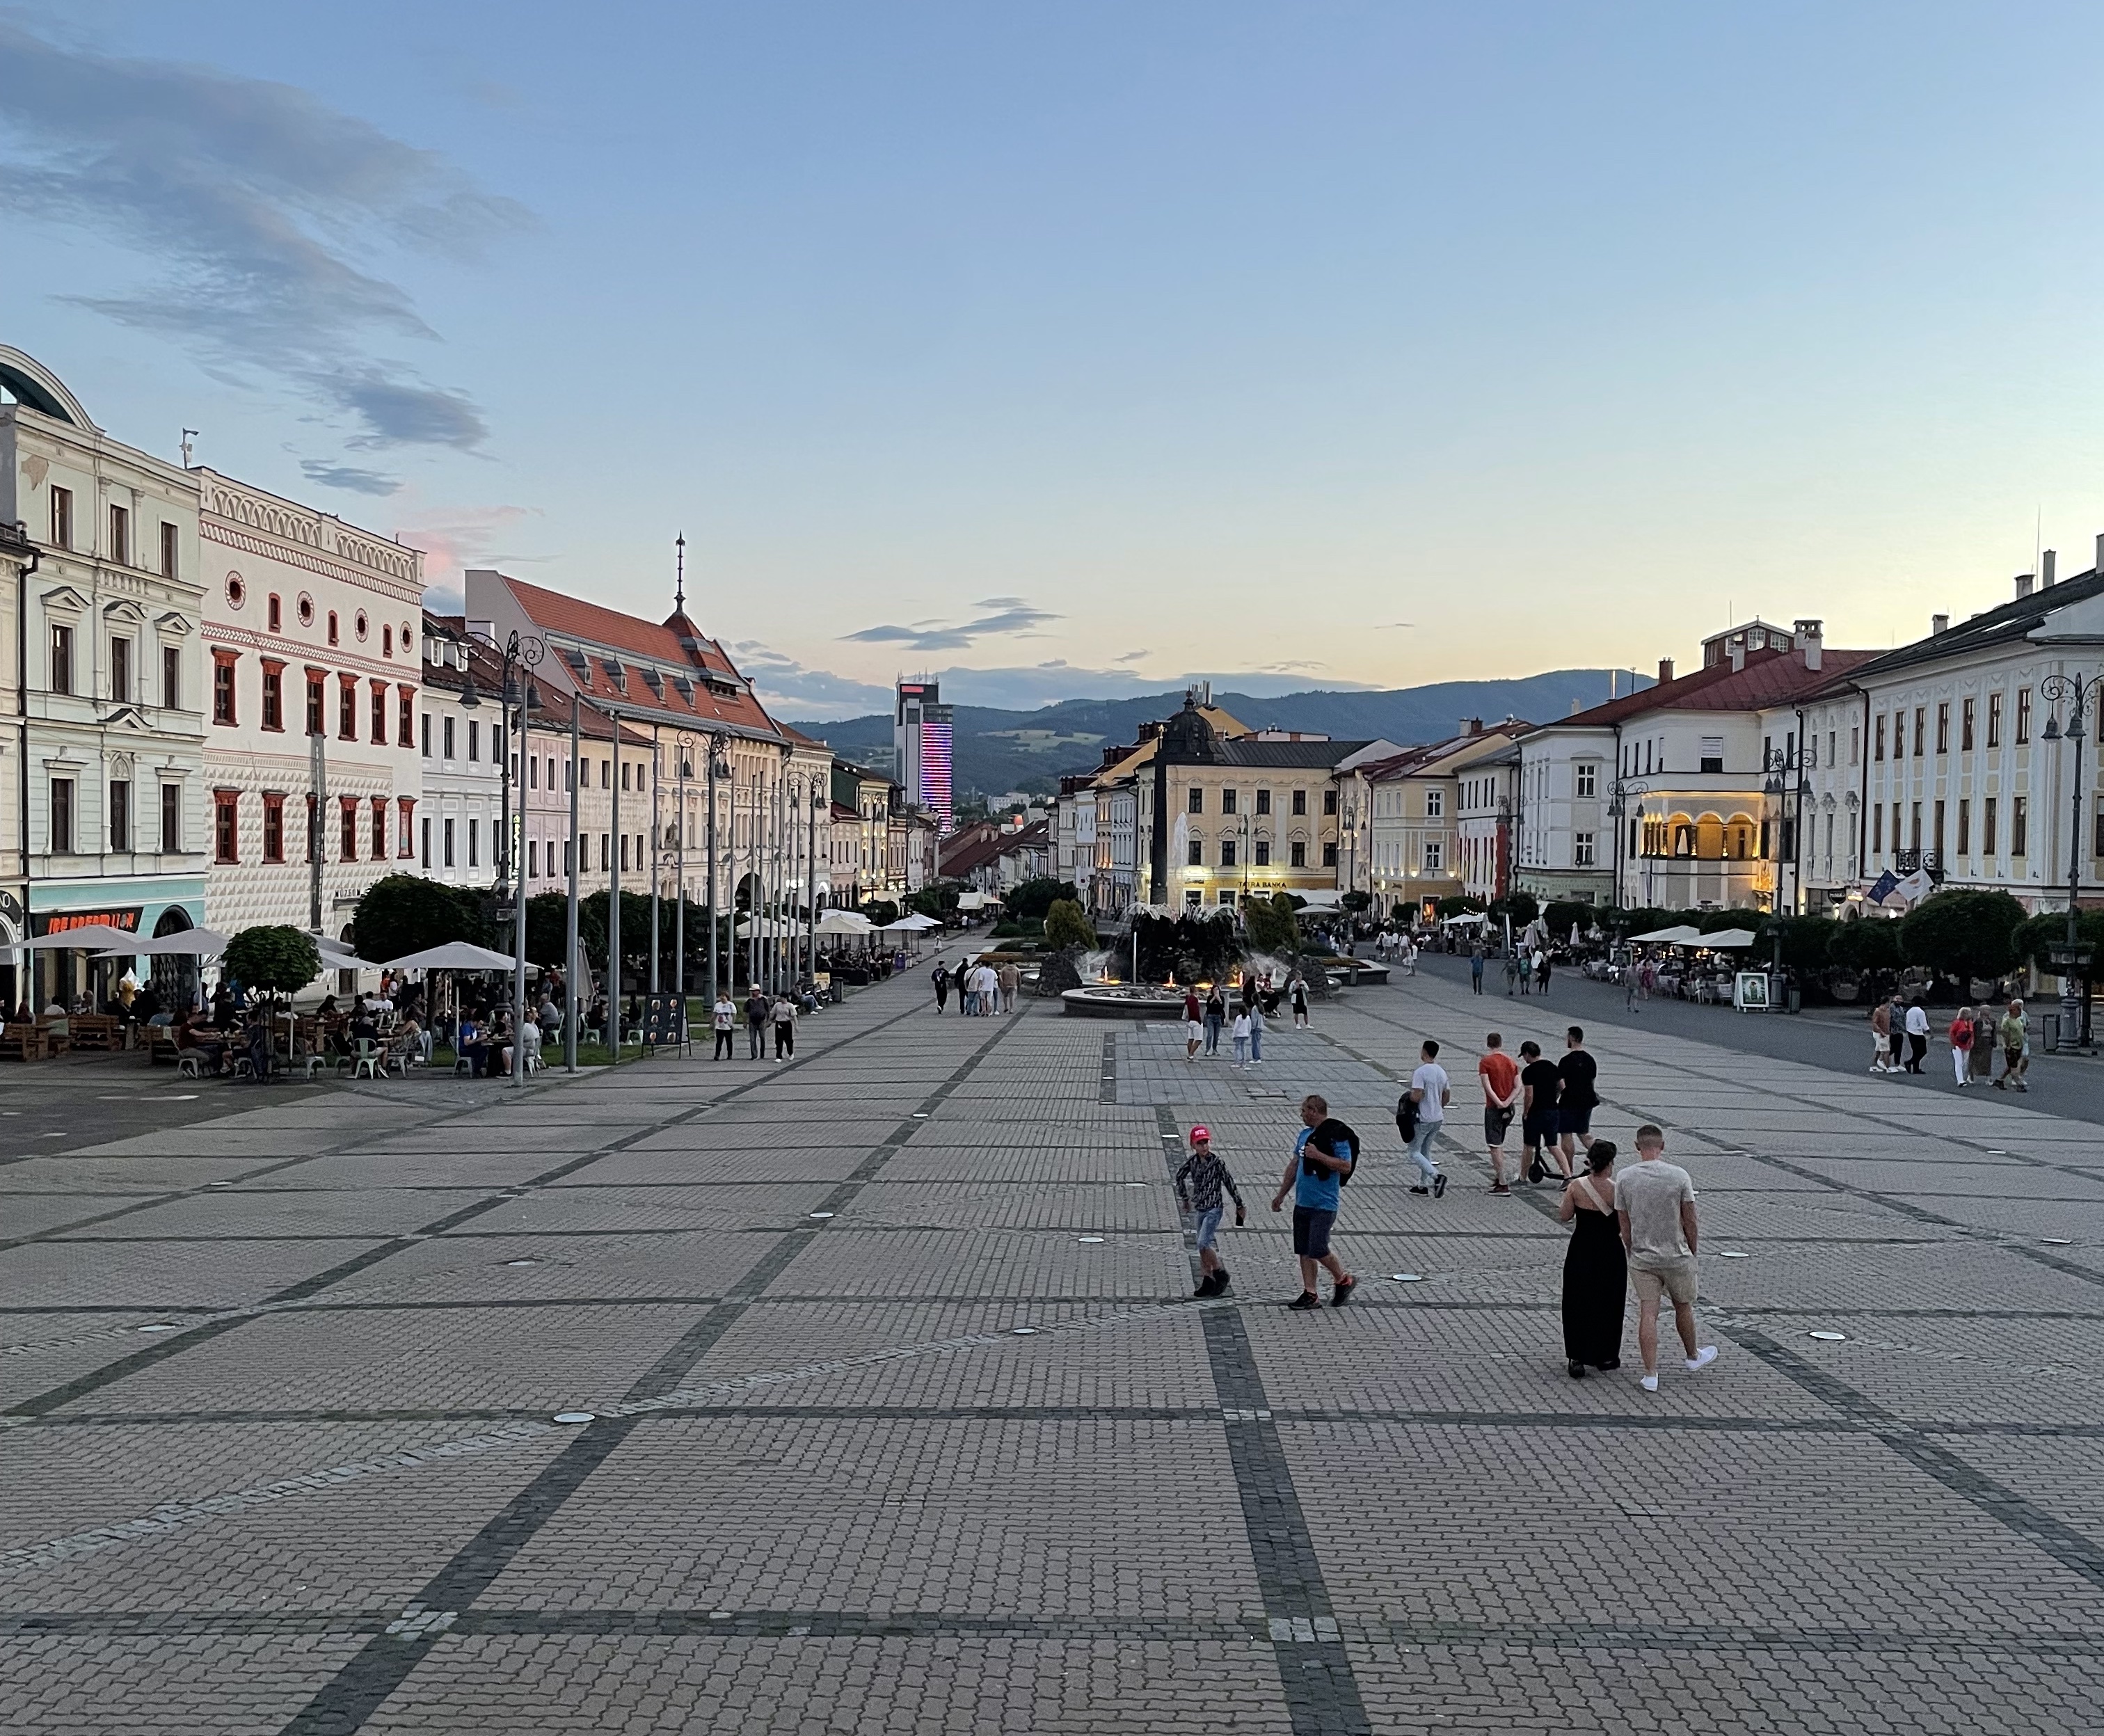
column 1676, row 1280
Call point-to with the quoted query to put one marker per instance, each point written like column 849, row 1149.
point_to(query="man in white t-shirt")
column 1654, row 1201
column 1430, row 1092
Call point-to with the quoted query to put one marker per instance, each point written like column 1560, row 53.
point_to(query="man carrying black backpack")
column 1322, row 1160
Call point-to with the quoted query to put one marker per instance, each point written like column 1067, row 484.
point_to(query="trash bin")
column 2052, row 1022
column 1796, row 998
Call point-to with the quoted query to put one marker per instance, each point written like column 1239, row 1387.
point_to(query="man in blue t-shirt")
column 1322, row 1157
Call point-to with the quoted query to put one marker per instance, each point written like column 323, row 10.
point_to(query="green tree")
column 938, row 901
column 1865, row 946
column 1029, row 901
column 1067, row 924
column 547, row 928
column 1271, row 925
column 399, row 914
column 1522, row 907
column 1805, row 941
column 1460, row 905
column 272, row 961
column 881, row 911
column 1562, row 913
column 1961, row 934
column 2036, row 936
column 1357, row 902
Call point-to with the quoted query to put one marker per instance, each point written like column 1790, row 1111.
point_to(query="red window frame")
column 273, row 693
column 226, row 825
column 225, row 695
column 273, row 826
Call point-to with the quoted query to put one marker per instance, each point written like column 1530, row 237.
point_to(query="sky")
column 1083, row 349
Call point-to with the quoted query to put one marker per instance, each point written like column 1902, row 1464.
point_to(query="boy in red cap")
column 1198, row 1187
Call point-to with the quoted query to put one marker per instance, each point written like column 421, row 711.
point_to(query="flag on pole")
column 1884, row 886
column 1916, row 886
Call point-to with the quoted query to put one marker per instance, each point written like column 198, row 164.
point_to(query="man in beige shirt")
column 1655, row 1202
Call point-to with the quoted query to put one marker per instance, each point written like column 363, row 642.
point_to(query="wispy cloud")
column 784, row 683
column 348, row 477
column 1011, row 614
column 261, row 206
column 461, row 536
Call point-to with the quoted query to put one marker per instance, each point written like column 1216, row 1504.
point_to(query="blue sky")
column 1088, row 347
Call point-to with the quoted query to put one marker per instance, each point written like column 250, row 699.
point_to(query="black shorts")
column 1497, row 1123
column 1540, row 1129
column 1578, row 1122
column 1311, row 1231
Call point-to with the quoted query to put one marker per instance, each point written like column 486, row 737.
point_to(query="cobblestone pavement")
column 901, row 1419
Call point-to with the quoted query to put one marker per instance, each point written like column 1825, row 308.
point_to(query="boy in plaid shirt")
column 1199, row 1184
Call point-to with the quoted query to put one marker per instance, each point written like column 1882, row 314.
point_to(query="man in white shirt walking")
column 1655, row 1202
column 1430, row 1092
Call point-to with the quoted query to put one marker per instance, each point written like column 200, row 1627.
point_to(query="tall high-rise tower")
column 921, row 748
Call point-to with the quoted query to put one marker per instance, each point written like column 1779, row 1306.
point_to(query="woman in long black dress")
column 1596, row 1273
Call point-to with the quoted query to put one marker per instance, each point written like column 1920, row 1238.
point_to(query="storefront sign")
column 64, row 922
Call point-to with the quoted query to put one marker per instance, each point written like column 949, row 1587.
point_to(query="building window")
column 448, row 735
column 1987, row 826
column 171, row 678
column 1296, row 852
column 1300, row 801
column 534, row 771
column 1435, row 801
column 405, row 828
column 1920, row 731
column 405, row 720
column 427, row 843
column 347, row 829
column 1899, row 735
column 1197, row 854
column 61, row 823
column 446, row 838
column 332, row 635
column 61, row 659
column 1936, row 840
column 1583, row 849
column 274, row 611
column 1227, row 853
column 61, row 518
column 316, row 724
column 427, row 734
column 379, row 828
column 222, row 687
column 379, row 714
column 474, row 741
column 1589, row 783
column 1227, row 802
column 387, row 640
column 1914, row 826
column 1965, row 711
column 1942, row 728
column 2020, row 831
column 2023, row 715
column 1711, row 759
column 533, row 858
column 120, row 816
column 1435, row 855
column 1263, row 852
column 171, row 819
column 1264, row 802
column 120, row 671
column 1197, row 801
column 273, row 695
column 171, row 545
column 474, row 841
column 1878, row 830
column 346, row 708
column 1964, row 827
column 273, row 827
column 1994, row 720
column 1330, row 853
column 1329, row 802
column 120, row 536
column 227, row 826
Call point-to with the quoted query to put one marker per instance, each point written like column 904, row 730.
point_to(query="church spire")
column 680, row 580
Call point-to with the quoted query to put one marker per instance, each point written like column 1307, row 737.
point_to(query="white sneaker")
column 1649, row 1383
column 1702, row 1358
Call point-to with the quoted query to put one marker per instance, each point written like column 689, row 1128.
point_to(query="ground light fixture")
column 575, row 1416
column 1826, row 1337
column 1405, row 1277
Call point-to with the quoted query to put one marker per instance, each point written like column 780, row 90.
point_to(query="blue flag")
column 1888, row 883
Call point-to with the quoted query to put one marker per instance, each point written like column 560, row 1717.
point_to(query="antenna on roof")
column 679, row 578
column 189, row 435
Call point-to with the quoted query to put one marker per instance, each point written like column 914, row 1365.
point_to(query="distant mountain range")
column 997, row 751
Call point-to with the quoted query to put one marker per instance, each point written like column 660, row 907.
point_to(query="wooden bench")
column 23, row 1043
column 96, row 1031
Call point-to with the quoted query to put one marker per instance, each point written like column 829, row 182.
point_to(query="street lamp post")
column 718, row 767
column 1786, row 774
column 656, row 838
column 574, row 850
column 2080, row 694
column 520, row 654
column 682, row 746
column 1619, row 795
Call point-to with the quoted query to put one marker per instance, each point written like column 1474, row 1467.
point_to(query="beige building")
column 1413, row 849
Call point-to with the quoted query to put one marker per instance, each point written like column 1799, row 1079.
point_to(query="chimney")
column 2099, row 551
column 1738, row 650
column 1576, row 707
column 2023, row 586
column 1938, row 624
column 2046, row 563
column 1666, row 663
column 1811, row 639
column 1472, row 726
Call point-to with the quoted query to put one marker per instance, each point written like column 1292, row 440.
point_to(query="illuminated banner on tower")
column 935, row 763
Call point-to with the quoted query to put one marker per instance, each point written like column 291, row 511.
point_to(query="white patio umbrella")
column 918, row 922
column 189, row 943
column 1678, row 935
column 93, row 937
column 843, row 923
column 1729, row 937
column 455, row 955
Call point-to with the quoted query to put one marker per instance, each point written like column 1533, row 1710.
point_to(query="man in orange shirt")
column 1499, row 1073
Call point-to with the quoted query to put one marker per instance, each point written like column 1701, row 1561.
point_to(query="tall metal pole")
column 613, row 897
column 570, row 915
column 680, row 743
column 811, row 889
column 716, row 991
column 657, row 922
column 518, row 913
column 751, row 874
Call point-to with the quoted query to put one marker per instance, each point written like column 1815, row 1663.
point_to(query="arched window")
column 386, row 638
column 332, row 634
column 276, row 614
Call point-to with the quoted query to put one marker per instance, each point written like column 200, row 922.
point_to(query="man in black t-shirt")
column 1575, row 1102
column 1539, row 1082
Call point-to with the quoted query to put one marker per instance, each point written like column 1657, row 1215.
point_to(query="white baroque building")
column 104, row 766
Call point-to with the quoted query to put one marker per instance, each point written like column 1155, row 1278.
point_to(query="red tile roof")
column 1771, row 677
column 675, row 644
